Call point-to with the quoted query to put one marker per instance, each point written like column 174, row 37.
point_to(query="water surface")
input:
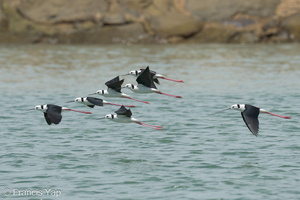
column 202, row 153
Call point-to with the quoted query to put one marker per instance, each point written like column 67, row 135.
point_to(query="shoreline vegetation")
column 149, row 21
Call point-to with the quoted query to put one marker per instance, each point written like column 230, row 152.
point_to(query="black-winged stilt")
column 123, row 115
column 114, row 90
column 52, row 113
column 92, row 102
column 155, row 76
column 250, row 115
column 146, row 84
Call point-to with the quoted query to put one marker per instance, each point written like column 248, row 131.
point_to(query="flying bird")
column 114, row 90
column 250, row 115
column 123, row 115
column 146, row 84
column 155, row 76
column 52, row 113
column 92, row 102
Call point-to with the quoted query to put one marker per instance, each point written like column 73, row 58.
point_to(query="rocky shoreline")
column 149, row 21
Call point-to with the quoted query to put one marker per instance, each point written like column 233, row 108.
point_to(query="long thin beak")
column 226, row 109
column 69, row 101
column 102, row 118
column 126, row 74
column 93, row 93
column 31, row 109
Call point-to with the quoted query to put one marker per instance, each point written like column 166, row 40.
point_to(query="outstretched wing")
column 53, row 114
column 151, row 71
column 146, row 79
column 123, row 111
column 152, row 74
column 48, row 120
column 95, row 101
column 115, row 84
column 250, row 117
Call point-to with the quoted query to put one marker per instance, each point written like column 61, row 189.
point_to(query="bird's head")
column 79, row 99
column 134, row 72
column 100, row 92
column 240, row 107
column 130, row 86
column 40, row 107
column 108, row 116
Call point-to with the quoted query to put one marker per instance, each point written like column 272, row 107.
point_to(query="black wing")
column 48, row 120
column 156, row 80
column 124, row 111
column 152, row 74
column 250, row 117
column 151, row 71
column 115, row 84
column 146, row 79
column 53, row 114
column 95, row 101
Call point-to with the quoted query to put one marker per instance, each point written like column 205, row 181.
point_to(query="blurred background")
column 149, row 21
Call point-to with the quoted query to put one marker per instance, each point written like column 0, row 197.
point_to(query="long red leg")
column 180, row 81
column 176, row 96
column 137, row 100
column 285, row 117
column 78, row 111
column 150, row 126
column 120, row 105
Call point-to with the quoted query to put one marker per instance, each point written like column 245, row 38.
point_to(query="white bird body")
column 112, row 93
column 138, row 72
column 84, row 101
column 92, row 102
column 121, row 118
column 123, row 115
column 140, row 88
column 153, row 74
column 242, row 107
column 44, row 108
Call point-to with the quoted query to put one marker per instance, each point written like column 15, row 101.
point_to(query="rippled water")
column 202, row 153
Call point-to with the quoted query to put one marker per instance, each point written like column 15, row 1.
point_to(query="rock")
column 214, row 32
column 174, row 24
column 126, row 34
column 291, row 25
column 244, row 37
column 57, row 11
column 149, row 21
column 220, row 10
